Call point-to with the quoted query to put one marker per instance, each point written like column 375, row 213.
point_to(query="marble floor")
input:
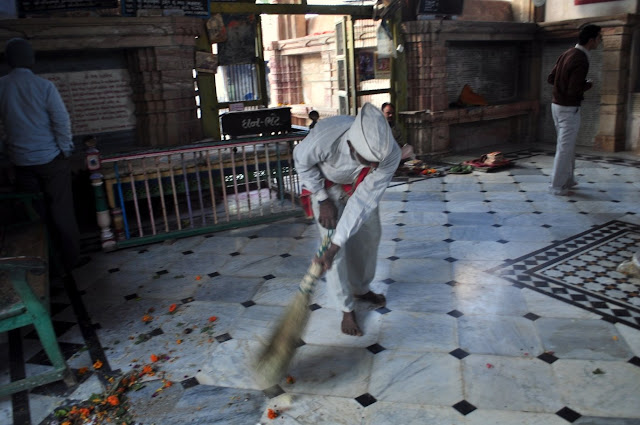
column 504, row 307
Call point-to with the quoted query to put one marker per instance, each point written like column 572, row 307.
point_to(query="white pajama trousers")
column 354, row 266
column 567, row 122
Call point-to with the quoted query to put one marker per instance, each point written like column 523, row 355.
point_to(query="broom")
column 273, row 361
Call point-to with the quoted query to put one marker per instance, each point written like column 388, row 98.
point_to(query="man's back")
column 568, row 77
column 34, row 117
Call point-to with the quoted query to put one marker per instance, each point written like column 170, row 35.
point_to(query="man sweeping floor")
column 345, row 164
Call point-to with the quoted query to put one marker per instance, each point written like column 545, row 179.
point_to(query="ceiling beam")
column 291, row 9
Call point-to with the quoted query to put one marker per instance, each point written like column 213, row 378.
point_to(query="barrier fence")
column 156, row 195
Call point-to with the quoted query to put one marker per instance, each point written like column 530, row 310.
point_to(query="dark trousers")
column 54, row 181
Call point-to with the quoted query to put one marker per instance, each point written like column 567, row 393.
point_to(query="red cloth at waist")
column 349, row 188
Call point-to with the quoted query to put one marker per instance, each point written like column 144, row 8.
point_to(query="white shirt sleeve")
column 317, row 148
column 366, row 197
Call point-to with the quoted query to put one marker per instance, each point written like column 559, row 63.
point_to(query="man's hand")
column 326, row 260
column 328, row 214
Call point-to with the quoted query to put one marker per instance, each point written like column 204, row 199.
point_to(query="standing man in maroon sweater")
column 569, row 79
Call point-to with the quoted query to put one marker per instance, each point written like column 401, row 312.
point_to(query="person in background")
column 314, row 116
column 345, row 164
column 389, row 111
column 569, row 80
column 38, row 144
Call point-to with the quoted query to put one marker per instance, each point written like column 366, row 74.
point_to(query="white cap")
column 370, row 134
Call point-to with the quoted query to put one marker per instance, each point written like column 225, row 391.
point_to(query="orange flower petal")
column 272, row 414
column 198, row 277
column 97, row 364
column 154, row 358
column 172, row 308
column 213, row 319
column 83, row 370
column 113, row 400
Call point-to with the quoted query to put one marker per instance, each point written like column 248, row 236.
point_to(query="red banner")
column 579, row 2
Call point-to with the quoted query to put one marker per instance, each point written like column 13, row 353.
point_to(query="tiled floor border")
column 524, row 273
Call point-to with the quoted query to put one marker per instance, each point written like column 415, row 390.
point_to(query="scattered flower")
column 83, row 370
column 172, row 308
column 179, row 341
column 291, row 380
column 113, row 400
column 198, row 277
column 167, row 384
column 272, row 414
column 489, row 366
column 97, row 364
column 147, row 370
column 147, row 318
column 154, row 358
column 213, row 319
column 615, row 338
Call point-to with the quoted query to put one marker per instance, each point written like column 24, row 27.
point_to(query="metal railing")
column 155, row 195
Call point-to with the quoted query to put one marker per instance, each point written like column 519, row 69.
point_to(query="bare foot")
column 373, row 298
column 349, row 324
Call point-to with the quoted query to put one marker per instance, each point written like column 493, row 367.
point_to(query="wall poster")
column 240, row 45
column 383, row 66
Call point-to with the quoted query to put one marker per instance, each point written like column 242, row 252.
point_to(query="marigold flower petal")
column 213, row 319
column 83, row 370
column 154, row 358
column 272, row 414
column 113, row 400
column 97, row 364
column 198, row 277
column 172, row 308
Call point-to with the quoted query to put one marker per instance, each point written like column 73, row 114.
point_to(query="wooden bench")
column 24, row 298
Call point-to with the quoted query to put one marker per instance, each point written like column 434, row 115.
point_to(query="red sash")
column 305, row 196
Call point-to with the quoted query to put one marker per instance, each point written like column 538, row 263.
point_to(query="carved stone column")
column 616, row 44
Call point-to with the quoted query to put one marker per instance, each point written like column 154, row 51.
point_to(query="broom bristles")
column 274, row 360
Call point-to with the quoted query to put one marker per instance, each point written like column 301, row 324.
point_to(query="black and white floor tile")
column 504, row 307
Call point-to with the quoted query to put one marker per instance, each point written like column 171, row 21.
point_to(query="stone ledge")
column 470, row 114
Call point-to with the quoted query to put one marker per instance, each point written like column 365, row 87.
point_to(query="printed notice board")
column 199, row 8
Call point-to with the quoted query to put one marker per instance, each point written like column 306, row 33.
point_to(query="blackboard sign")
column 34, row 6
column 199, row 8
column 258, row 121
column 440, row 7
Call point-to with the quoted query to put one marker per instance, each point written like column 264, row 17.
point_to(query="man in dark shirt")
column 569, row 79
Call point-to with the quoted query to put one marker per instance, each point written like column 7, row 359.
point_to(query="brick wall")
column 491, row 69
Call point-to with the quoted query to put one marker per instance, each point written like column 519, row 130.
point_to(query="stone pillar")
column 615, row 81
column 164, row 95
column 426, row 82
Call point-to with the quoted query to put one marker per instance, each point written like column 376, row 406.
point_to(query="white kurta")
column 324, row 154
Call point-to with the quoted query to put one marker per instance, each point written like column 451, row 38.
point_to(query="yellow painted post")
column 209, row 108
